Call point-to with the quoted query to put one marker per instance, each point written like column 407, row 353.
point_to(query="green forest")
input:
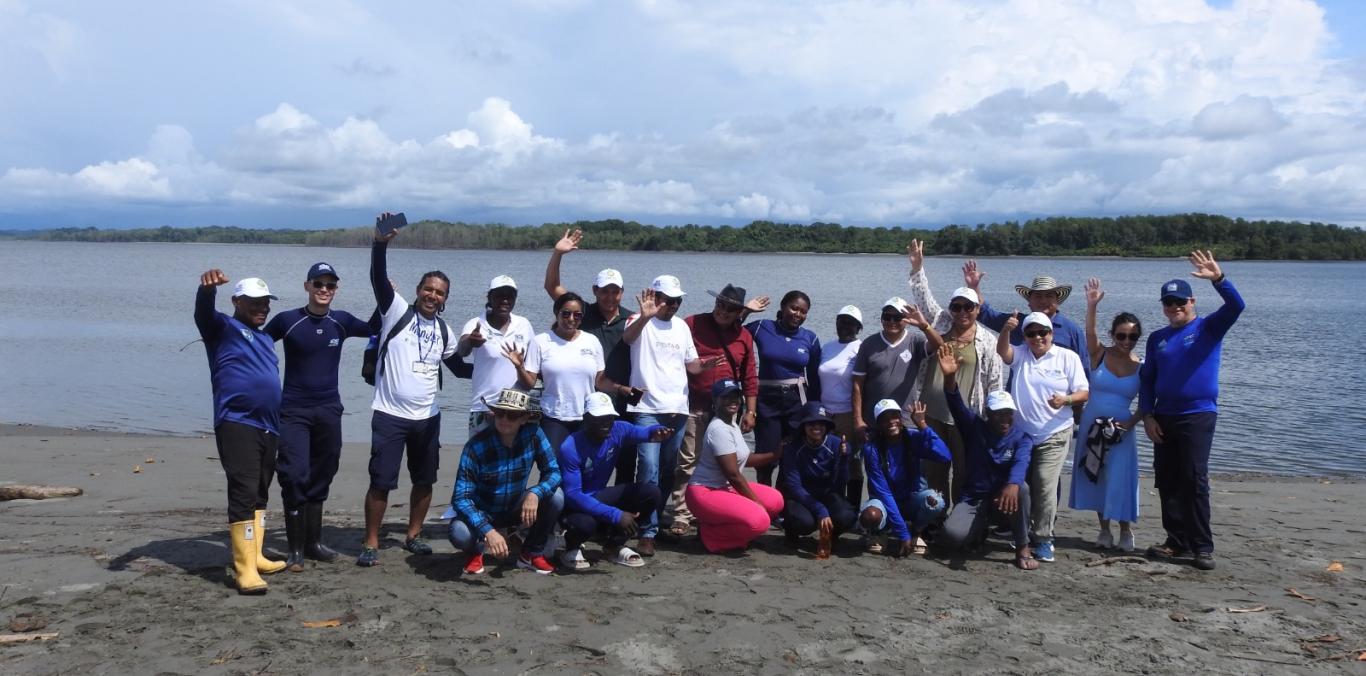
column 1138, row 236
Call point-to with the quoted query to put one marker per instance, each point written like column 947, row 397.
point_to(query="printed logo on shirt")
column 1190, row 339
column 665, row 346
column 800, row 350
column 246, row 333
column 586, row 352
column 334, row 342
column 1162, row 345
column 320, row 332
column 587, row 464
column 906, row 357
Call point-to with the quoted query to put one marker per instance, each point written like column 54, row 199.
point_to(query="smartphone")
column 392, row 223
column 636, row 395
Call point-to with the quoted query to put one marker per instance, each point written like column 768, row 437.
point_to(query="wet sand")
column 131, row 575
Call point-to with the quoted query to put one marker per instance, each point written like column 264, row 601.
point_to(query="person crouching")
column 896, row 487
column 813, row 476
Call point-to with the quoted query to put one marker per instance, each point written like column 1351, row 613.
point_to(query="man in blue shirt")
column 310, row 414
column 491, row 493
column 1177, row 398
column 587, row 459
column 246, row 414
column 1044, row 295
column 998, row 455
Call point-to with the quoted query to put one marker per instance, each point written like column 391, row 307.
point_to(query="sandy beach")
column 131, row 577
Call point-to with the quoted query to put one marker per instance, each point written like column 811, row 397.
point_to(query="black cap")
column 320, row 269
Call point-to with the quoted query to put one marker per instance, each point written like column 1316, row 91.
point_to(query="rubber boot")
column 264, row 566
column 294, row 531
column 313, row 546
column 244, row 539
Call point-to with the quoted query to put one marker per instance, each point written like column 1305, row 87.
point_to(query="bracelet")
column 1069, row 400
column 1221, row 278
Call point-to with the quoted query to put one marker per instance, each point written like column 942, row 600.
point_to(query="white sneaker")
column 1126, row 542
column 1105, row 540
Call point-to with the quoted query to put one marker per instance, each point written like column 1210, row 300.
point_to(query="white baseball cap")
column 668, row 285
column 1038, row 318
column 501, row 281
column 966, row 293
column 1000, row 400
column 897, row 302
column 884, row 406
column 607, row 278
column 852, row 312
column 599, row 405
column 252, row 287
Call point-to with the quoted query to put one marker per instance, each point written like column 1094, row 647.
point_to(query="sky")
column 302, row 113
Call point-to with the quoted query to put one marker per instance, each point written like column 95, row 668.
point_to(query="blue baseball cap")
column 320, row 269
column 723, row 387
column 1177, row 288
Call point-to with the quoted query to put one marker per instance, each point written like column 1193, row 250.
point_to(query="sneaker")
column 475, row 564
column 1105, row 540
column 1126, row 542
column 1044, row 551
column 534, row 562
column 1204, row 561
column 369, row 556
column 417, row 545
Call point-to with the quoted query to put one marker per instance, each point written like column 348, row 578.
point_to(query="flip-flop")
column 628, row 557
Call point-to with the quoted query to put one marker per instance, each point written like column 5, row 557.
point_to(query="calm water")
column 92, row 334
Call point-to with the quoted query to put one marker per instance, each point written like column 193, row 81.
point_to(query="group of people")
column 956, row 419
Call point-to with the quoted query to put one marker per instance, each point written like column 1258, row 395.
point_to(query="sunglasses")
column 1175, row 302
column 508, row 415
column 1126, row 336
column 1038, row 333
column 570, row 314
column 961, row 307
column 891, row 317
column 330, row 286
column 667, row 300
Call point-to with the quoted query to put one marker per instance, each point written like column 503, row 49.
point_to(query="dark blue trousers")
column 310, row 448
column 1181, row 465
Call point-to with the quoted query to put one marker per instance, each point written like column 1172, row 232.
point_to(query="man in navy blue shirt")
column 246, row 414
column 1044, row 295
column 1177, row 399
column 311, row 411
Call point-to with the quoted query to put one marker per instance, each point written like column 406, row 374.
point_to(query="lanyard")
column 422, row 352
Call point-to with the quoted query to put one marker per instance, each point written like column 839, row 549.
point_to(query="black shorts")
column 390, row 435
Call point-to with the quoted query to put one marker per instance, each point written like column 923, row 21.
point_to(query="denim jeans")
column 925, row 506
column 656, row 462
column 469, row 540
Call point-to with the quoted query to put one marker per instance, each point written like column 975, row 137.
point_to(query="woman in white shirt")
column 569, row 362
column 837, row 390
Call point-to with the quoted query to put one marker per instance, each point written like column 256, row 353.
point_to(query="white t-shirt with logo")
column 569, row 369
column 406, row 386
column 659, row 359
column 837, row 375
column 1033, row 381
column 492, row 371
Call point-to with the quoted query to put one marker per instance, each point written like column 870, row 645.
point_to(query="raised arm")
column 567, row 243
column 1003, row 348
column 645, row 300
column 205, row 316
column 379, row 266
column 921, row 295
column 1222, row 319
column 1094, row 294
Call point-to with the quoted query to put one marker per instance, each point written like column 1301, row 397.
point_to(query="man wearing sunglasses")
column 310, row 415
column 1178, row 399
column 887, row 364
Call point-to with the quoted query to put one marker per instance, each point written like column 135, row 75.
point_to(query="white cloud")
column 1243, row 116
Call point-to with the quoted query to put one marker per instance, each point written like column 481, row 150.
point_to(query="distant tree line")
column 1141, row 236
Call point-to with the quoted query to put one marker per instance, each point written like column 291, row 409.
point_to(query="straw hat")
column 1045, row 284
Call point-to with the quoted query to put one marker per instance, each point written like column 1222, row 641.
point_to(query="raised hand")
column 380, row 235
column 1094, row 294
column 917, row 411
column 570, row 241
column 514, row 354
column 646, row 301
column 948, row 361
column 477, row 338
column 972, row 277
column 915, row 253
column 758, row 304
column 915, row 318
column 1205, row 267
column 214, row 277
column 1012, row 322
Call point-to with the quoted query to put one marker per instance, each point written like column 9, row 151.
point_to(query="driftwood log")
column 21, row 492
column 26, row 638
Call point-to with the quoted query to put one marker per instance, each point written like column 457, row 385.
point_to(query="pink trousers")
column 729, row 520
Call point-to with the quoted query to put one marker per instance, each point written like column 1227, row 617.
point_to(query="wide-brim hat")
column 1045, row 284
column 510, row 400
column 735, row 295
column 814, row 411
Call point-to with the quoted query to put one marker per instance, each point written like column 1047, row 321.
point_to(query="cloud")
column 1243, row 116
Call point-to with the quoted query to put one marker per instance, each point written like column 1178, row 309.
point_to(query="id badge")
column 422, row 367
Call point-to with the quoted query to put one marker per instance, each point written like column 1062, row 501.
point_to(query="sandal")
column 628, row 557
column 1026, row 563
column 574, row 559
column 680, row 529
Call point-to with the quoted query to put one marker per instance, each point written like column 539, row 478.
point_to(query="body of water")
column 91, row 335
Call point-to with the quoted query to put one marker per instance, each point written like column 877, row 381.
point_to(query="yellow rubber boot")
column 244, row 553
column 264, row 566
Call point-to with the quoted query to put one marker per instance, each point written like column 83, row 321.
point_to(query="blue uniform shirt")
column 1180, row 372
column 585, row 467
column 807, row 474
column 993, row 461
column 894, row 472
column 242, row 366
column 784, row 354
column 313, row 352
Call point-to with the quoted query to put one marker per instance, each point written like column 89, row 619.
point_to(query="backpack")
column 372, row 362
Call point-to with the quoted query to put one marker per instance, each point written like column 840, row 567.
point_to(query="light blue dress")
column 1115, row 495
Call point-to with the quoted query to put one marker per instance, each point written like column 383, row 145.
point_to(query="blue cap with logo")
column 723, row 387
column 1177, row 288
column 321, row 269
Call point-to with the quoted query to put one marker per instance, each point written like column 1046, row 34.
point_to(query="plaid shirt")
column 492, row 478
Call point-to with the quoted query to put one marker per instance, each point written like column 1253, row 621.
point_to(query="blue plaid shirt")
column 492, row 478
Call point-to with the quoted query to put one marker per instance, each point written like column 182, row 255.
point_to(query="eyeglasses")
column 330, row 286
column 1127, row 336
column 892, row 317
column 667, row 300
column 1038, row 333
column 570, row 314
column 1175, row 302
column 961, row 307
column 508, row 415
